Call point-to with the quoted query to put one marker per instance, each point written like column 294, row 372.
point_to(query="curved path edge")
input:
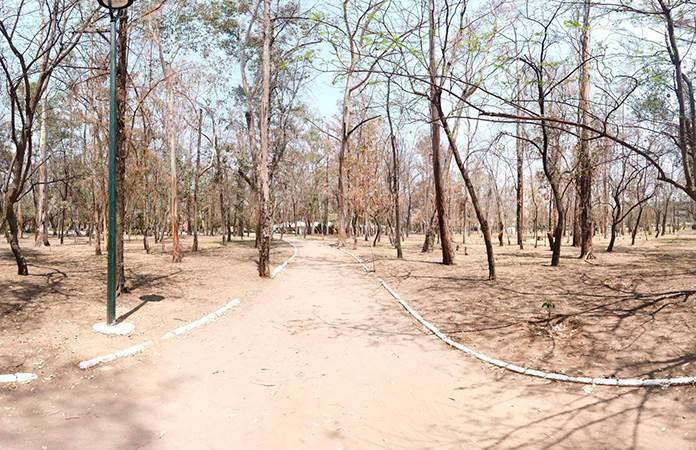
column 282, row 267
column 554, row 376
column 140, row 348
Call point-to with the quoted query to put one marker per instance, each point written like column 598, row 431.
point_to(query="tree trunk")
column 585, row 154
column 377, row 235
column 121, row 96
column 97, row 224
column 612, row 239
column 435, row 98
column 664, row 215
column 558, row 231
column 11, row 217
column 396, row 170
column 409, row 209
column 264, row 188
column 520, row 189
column 42, row 205
column 196, row 181
column 343, row 151
column 465, row 224
column 428, row 241
column 635, row 227
column 473, row 195
column 177, row 255
column 605, row 198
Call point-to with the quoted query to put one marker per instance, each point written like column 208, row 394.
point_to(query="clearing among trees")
column 522, row 171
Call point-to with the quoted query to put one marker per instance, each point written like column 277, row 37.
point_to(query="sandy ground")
column 46, row 319
column 624, row 314
column 322, row 357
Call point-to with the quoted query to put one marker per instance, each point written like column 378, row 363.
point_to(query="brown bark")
column 264, row 188
column 345, row 147
column 585, row 157
column 473, row 195
column 196, row 181
column 396, row 169
column 634, row 232
column 41, row 238
column 121, row 148
column 664, row 215
column 435, row 94
column 519, row 207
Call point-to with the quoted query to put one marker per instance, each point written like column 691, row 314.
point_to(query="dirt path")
column 323, row 358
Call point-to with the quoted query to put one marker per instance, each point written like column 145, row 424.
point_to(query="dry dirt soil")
column 630, row 313
column 322, row 357
column 46, row 319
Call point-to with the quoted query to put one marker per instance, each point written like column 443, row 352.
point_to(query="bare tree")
column 264, row 194
column 28, row 61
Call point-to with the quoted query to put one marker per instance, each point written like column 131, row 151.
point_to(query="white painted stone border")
column 213, row 316
column 281, row 267
column 130, row 351
column 634, row 382
column 19, row 378
column 139, row 348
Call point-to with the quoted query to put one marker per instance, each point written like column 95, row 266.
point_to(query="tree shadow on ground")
column 592, row 417
column 619, row 316
column 100, row 410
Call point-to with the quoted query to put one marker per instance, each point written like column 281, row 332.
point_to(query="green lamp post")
column 115, row 7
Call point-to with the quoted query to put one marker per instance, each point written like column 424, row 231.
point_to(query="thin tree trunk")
column 396, row 170
column 664, row 215
column 42, row 205
column 520, row 188
column 177, row 255
column 635, row 227
column 196, row 181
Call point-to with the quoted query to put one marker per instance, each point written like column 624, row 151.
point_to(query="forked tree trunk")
column 615, row 221
column 558, row 231
column 664, row 215
column 473, row 195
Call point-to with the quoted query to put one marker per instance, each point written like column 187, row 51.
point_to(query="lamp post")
column 115, row 7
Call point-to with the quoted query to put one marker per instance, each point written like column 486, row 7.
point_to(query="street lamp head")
column 115, row 4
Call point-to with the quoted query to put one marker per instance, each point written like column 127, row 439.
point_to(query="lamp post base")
column 117, row 329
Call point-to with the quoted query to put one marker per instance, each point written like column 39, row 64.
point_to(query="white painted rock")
column 18, row 378
column 118, row 329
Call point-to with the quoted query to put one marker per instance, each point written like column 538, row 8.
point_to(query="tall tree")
column 585, row 160
column 395, row 173
column 435, row 99
column 264, row 194
column 27, row 66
